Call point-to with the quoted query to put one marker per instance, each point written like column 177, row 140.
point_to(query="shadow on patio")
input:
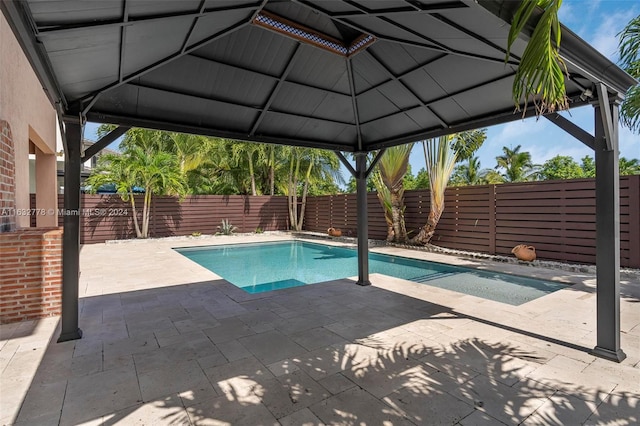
column 333, row 353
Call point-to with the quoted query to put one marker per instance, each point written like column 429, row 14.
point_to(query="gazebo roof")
column 344, row 75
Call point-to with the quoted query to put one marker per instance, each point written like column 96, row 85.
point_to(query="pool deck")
column 167, row 342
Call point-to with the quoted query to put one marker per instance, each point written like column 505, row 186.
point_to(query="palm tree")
column 275, row 165
column 114, row 168
column 492, row 177
column 156, row 172
column 467, row 143
column 517, row 165
column 147, row 140
column 392, row 168
column 468, row 173
column 192, row 151
column 540, row 75
column 307, row 166
column 252, row 152
column 440, row 159
column 629, row 48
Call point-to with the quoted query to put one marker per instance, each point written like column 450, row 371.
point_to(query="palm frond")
column 393, row 164
column 629, row 49
column 441, row 160
column 630, row 109
column 540, row 75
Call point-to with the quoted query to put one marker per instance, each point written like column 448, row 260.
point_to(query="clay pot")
column 524, row 252
column 334, row 232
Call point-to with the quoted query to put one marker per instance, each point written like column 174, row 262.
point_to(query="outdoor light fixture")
column 586, row 94
column 299, row 32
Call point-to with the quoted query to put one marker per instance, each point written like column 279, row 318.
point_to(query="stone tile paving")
column 168, row 342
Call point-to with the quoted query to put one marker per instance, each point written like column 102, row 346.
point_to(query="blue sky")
column 596, row 21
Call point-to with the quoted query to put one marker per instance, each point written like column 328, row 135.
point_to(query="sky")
column 596, row 21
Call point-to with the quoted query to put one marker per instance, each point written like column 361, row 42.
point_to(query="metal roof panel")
column 200, row 77
column 65, row 12
column 171, row 72
column 298, row 99
column 252, row 48
column 149, row 42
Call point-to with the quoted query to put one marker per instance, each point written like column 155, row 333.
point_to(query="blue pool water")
column 261, row 267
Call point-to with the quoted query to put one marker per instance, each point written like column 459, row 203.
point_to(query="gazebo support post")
column 361, row 173
column 607, row 229
column 363, row 218
column 72, row 139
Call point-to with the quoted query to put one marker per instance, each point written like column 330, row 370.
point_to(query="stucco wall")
column 24, row 105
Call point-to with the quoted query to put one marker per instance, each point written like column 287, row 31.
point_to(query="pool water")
column 261, row 267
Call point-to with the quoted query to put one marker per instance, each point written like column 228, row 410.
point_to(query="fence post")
column 634, row 221
column 491, row 196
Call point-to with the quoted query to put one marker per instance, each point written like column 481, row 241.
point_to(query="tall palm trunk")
column 292, row 196
column 392, row 169
column 305, row 191
column 426, row 232
column 397, row 215
column 440, row 159
column 251, row 173
column 146, row 212
column 272, row 170
column 134, row 213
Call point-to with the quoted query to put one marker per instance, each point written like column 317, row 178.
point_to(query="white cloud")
column 511, row 134
column 604, row 38
column 567, row 14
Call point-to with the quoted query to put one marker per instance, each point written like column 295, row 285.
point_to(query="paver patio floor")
column 168, row 342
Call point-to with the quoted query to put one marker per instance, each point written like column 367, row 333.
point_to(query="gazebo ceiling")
column 344, row 75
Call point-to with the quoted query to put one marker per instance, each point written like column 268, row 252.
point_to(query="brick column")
column 7, row 179
column 31, row 279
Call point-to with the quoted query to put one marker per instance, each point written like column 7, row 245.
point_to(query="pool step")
column 431, row 277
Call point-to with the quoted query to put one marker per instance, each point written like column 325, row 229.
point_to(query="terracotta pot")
column 524, row 252
column 334, row 232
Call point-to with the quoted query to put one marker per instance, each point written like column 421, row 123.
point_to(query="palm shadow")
column 332, row 353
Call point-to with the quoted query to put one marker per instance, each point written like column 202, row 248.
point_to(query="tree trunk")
column 426, row 232
column 305, row 190
column 272, row 171
column 397, row 217
column 390, row 232
column 134, row 213
column 251, row 174
column 145, row 213
column 292, row 196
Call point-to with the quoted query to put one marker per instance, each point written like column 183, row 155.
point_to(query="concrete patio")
column 169, row 342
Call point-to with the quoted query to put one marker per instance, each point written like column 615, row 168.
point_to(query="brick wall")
column 31, row 279
column 7, row 179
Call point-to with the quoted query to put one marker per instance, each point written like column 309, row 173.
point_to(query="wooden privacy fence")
column 557, row 217
column 107, row 217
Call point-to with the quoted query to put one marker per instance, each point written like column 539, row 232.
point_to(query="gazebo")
column 348, row 76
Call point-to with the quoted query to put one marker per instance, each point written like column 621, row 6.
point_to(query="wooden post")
column 492, row 218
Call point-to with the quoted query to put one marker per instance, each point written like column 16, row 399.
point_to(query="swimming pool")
column 261, row 267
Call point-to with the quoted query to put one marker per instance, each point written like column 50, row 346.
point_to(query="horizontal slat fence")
column 557, row 217
column 111, row 218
